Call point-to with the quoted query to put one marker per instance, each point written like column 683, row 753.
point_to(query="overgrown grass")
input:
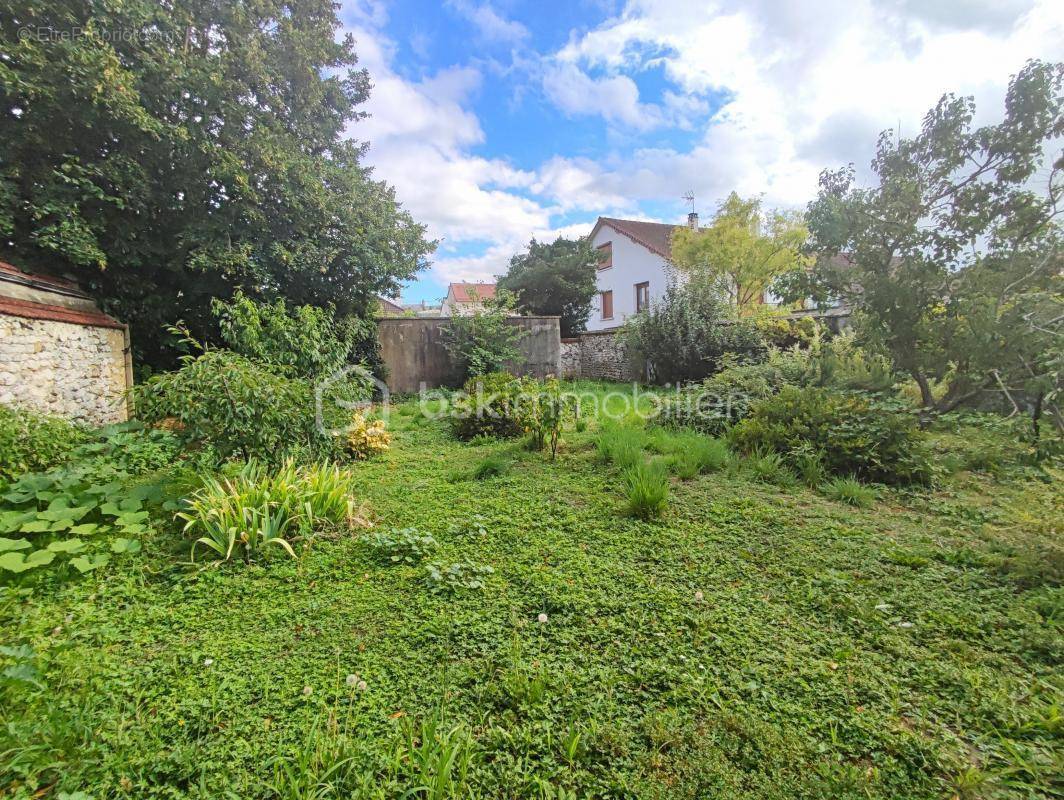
column 850, row 491
column 646, row 485
column 621, row 445
column 492, row 466
column 750, row 643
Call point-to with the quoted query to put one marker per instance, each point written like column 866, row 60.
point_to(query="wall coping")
column 29, row 309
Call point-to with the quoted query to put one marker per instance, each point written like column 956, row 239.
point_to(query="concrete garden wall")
column 415, row 356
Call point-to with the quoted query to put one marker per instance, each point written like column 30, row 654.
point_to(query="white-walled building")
column 635, row 268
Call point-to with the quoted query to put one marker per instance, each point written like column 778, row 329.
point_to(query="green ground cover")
column 756, row 640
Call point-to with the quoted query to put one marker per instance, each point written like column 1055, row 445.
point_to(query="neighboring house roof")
column 464, row 292
column 654, row 236
column 31, row 310
column 389, row 306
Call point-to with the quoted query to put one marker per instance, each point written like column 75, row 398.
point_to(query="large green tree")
column 742, row 251
column 555, row 279
column 170, row 152
column 954, row 256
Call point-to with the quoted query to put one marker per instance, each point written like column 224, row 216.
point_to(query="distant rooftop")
column 464, row 292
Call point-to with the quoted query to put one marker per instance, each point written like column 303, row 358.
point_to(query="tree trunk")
column 927, row 399
column 1036, row 415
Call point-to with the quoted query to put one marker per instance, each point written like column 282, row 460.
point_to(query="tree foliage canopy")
column 556, row 279
column 954, row 257
column 168, row 153
column 688, row 333
column 742, row 250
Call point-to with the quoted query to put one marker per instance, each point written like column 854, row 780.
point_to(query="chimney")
column 692, row 220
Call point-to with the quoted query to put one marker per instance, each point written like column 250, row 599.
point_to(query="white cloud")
column 795, row 87
column 807, row 85
column 420, row 133
column 615, row 98
column 489, row 23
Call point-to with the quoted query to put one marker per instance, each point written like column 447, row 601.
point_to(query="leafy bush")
column 842, row 363
column 647, row 487
column 32, row 442
column 258, row 509
column 783, row 332
column 304, row 341
column 723, row 399
column 365, row 439
column 481, row 342
column 850, row 491
column 132, row 447
column 873, row 441
column 487, row 405
column 451, row 578
column 236, row 406
column 685, row 335
column 544, row 408
column 404, row 546
column 70, row 513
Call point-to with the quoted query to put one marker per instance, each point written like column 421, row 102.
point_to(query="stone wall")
column 598, row 355
column 75, row 371
column 58, row 353
column 414, row 354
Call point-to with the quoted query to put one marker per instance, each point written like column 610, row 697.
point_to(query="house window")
column 607, row 305
column 642, row 296
column 605, row 252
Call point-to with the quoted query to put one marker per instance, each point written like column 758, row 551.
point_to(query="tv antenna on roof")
column 690, row 198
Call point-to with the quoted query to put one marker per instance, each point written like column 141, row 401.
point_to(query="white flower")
column 208, row 661
column 352, row 679
column 542, row 618
column 362, row 686
column 905, row 624
column 699, row 596
column 307, row 691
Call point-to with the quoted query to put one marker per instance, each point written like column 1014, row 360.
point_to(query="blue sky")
column 498, row 121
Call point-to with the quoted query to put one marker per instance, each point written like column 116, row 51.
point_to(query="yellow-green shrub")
column 367, row 438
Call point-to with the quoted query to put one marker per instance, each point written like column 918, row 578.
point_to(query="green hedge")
column 853, row 434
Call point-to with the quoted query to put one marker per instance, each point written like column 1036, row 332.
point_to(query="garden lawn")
column 755, row 641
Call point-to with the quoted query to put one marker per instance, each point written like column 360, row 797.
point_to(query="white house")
column 463, row 298
column 634, row 270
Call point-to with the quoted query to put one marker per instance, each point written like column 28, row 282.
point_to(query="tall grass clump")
column 769, row 467
column 810, row 468
column 850, row 491
column 699, row 454
column 647, row 487
column 493, row 466
column 621, row 446
column 258, row 509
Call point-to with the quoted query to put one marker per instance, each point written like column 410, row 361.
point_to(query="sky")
column 500, row 121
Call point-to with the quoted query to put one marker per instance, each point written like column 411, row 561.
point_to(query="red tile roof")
column 463, row 292
column 36, row 277
column 654, row 236
column 31, row 310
